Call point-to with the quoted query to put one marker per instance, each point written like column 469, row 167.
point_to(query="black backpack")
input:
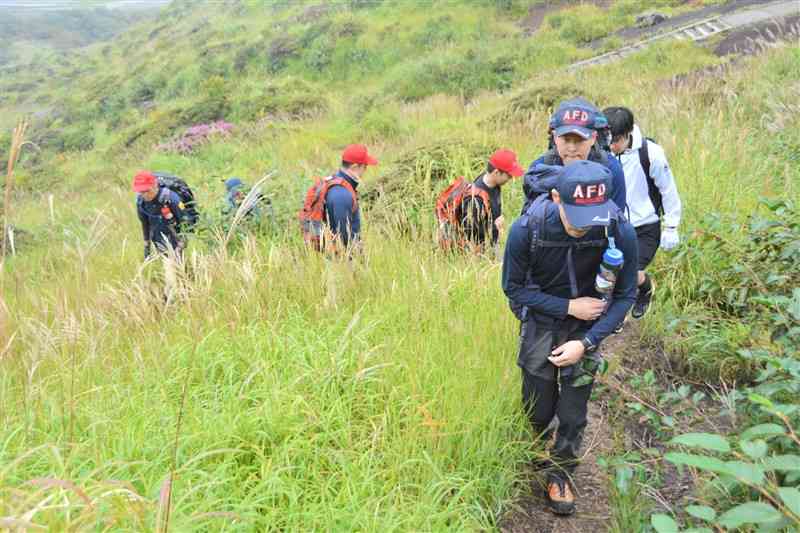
column 534, row 220
column 652, row 188
column 184, row 192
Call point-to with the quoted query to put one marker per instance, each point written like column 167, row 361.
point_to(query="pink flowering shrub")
column 195, row 136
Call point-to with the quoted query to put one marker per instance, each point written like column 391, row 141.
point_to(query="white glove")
column 670, row 238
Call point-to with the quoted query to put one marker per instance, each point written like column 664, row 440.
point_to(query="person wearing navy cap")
column 574, row 127
column 235, row 192
column 552, row 257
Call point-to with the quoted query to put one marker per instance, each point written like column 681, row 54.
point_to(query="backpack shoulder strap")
column 332, row 181
column 320, row 190
column 473, row 191
column 644, row 158
column 536, row 216
column 652, row 188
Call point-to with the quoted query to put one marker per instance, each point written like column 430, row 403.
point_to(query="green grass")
column 379, row 394
column 318, row 396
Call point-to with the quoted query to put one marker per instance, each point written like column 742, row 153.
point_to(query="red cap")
column 506, row 160
column 144, row 181
column 357, row 154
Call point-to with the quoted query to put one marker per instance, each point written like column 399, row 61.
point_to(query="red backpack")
column 312, row 215
column 448, row 212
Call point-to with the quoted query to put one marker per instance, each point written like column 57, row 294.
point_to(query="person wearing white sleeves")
column 654, row 205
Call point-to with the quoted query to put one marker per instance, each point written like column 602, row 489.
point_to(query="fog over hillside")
column 78, row 4
column 30, row 27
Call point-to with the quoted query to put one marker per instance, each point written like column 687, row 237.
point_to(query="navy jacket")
column 541, row 281
column 619, row 194
column 339, row 213
column 155, row 227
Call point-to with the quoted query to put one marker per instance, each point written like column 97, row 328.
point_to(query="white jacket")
column 641, row 208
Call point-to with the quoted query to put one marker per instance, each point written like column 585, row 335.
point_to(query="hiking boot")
column 642, row 304
column 618, row 329
column 559, row 496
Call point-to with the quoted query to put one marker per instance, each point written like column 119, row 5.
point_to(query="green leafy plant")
column 753, row 474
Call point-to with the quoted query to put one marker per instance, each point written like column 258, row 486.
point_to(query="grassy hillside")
column 30, row 30
column 284, row 390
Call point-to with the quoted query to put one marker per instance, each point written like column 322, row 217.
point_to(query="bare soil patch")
column 755, row 38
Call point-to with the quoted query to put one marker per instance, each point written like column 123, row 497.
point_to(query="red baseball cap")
column 144, row 181
column 506, row 160
column 357, row 154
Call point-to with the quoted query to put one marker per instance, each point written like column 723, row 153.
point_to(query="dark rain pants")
column 549, row 391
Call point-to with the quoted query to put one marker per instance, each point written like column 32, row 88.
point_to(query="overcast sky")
column 70, row 4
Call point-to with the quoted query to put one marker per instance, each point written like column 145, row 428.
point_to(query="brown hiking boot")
column 560, row 499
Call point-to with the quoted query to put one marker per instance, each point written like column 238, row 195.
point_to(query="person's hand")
column 586, row 308
column 500, row 223
column 567, row 354
column 669, row 238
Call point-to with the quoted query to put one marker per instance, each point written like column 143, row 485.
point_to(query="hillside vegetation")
column 282, row 390
column 30, row 30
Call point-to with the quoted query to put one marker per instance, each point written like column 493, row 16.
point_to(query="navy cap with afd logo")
column 576, row 115
column 585, row 188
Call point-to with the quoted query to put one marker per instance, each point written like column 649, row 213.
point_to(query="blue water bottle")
column 606, row 277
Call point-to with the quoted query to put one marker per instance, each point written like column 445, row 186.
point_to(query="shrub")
column 544, row 95
column 381, row 124
column 581, row 24
column 289, row 97
column 320, row 55
column 753, row 475
column 280, row 50
column 214, row 106
column 435, row 32
column 452, row 73
column 244, row 57
column 740, row 275
column 79, row 139
column 143, row 91
column 404, row 196
column 196, row 136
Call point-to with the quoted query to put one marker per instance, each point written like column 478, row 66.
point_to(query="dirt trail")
column 530, row 514
column 614, row 429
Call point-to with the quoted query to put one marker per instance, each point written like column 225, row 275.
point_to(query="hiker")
column 235, row 193
column 551, row 278
column 471, row 213
column 331, row 218
column 652, row 195
column 574, row 126
column 161, row 212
